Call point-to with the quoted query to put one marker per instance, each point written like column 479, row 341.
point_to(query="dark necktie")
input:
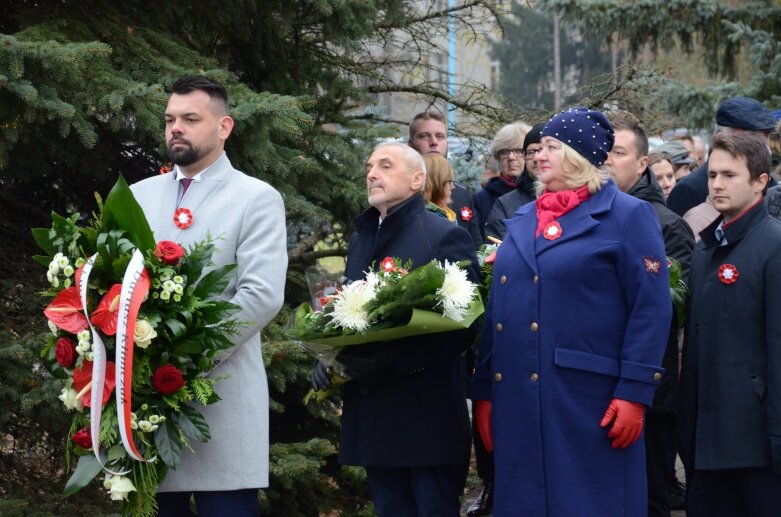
column 186, row 184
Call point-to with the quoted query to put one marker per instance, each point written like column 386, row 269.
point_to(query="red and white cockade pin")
column 388, row 264
column 552, row 231
column 728, row 274
column 183, row 218
column 653, row 265
column 466, row 213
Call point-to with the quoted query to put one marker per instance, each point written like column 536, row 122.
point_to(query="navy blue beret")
column 587, row 131
column 745, row 113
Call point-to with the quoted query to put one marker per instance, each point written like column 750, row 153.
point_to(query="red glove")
column 627, row 418
column 483, row 418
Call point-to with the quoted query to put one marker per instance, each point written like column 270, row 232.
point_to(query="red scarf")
column 552, row 205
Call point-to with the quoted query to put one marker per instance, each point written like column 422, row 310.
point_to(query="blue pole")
column 451, row 64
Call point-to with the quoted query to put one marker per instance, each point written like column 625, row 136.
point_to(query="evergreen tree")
column 83, row 86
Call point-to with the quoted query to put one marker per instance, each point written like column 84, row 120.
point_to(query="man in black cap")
column 506, row 205
column 735, row 115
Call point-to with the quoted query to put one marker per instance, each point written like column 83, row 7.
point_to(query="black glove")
column 361, row 361
column 775, row 451
column 320, row 378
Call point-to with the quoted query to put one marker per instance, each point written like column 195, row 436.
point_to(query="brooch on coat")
column 466, row 213
column 552, row 231
column 652, row 265
column 728, row 274
column 183, row 218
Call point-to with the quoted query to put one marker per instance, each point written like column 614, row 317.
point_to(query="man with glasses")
column 506, row 205
column 507, row 148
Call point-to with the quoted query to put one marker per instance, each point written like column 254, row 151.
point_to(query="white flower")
column 52, row 327
column 165, row 295
column 89, row 356
column 67, row 270
column 179, row 279
column 349, row 306
column 53, row 268
column 80, row 262
column 374, row 280
column 169, row 285
column 50, row 277
column 118, row 487
column 84, row 335
column 68, row 397
column 177, row 297
column 154, row 419
column 178, row 289
column 63, row 261
column 144, row 333
column 134, row 424
column 55, row 282
column 456, row 292
column 133, row 417
column 66, row 283
column 57, row 257
column 83, row 347
column 145, row 425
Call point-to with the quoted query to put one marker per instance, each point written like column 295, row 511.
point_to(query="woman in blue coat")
column 575, row 330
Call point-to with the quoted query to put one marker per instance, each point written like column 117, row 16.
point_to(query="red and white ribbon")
column 135, row 287
column 98, row 369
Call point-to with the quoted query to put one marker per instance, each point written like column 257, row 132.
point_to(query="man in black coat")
column 628, row 165
column 428, row 134
column 730, row 390
column 735, row 115
column 405, row 415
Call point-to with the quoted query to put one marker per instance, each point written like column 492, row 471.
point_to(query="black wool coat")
column 730, row 388
column 412, row 410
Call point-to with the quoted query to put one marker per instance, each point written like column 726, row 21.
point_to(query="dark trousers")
column 752, row 492
column 659, row 441
column 416, row 491
column 233, row 503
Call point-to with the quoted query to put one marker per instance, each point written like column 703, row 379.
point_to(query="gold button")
column 657, row 376
column 534, row 377
column 503, row 279
column 534, row 326
column 497, row 376
column 498, row 327
column 536, row 279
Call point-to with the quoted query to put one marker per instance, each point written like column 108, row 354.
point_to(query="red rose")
column 169, row 252
column 167, row 379
column 83, row 438
column 65, row 352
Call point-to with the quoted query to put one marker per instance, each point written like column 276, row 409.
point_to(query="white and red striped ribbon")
column 135, row 286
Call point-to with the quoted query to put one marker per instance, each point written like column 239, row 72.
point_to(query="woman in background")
column 440, row 182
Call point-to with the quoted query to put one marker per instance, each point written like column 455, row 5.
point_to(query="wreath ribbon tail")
column 135, row 287
column 98, row 370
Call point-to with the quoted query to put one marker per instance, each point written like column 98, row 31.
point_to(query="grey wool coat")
column 247, row 218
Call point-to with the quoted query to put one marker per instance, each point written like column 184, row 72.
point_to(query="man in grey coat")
column 204, row 195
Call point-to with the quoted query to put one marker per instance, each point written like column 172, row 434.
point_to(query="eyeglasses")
column 504, row 153
column 531, row 152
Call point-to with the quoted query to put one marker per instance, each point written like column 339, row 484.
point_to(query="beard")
column 187, row 156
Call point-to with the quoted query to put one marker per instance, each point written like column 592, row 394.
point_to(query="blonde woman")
column 664, row 170
column 571, row 344
column 440, row 182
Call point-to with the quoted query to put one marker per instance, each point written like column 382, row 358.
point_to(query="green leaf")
column 122, row 211
column 218, row 310
column 188, row 346
column 193, row 424
column 169, row 444
column 43, row 260
column 214, row 282
column 86, row 470
column 41, row 237
column 116, row 452
column 176, row 328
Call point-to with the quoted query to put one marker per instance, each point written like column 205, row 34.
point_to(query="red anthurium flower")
column 82, row 377
column 105, row 316
column 388, row 264
column 490, row 259
column 65, row 311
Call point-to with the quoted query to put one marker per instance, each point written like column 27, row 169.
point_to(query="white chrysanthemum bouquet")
column 386, row 300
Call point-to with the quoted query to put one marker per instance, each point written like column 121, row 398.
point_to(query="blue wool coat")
column 572, row 323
